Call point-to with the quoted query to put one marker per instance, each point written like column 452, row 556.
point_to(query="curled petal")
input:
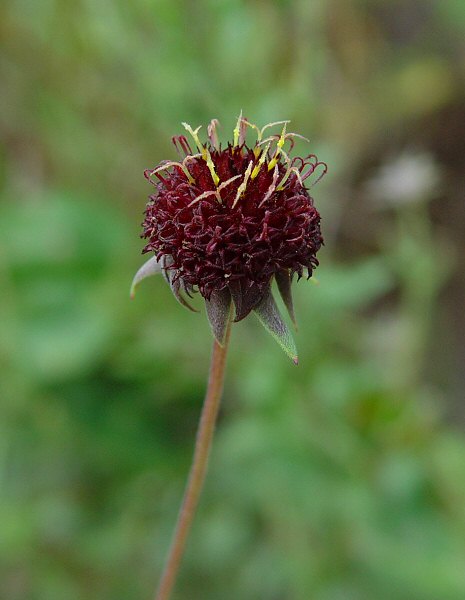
column 175, row 285
column 175, row 282
column 154, row 266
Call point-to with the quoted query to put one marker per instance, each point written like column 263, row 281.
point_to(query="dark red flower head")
column 225, row 221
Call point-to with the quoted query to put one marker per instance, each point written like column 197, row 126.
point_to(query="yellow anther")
column 194, row 135
column 202, row 196
column 279, row 144
column 290, row 169
column 223, row 185
column 204, row 150
column 241, row 189
column 237, row 131
column 188, row 175
column 253, row 126
column 215, row 192
column 272, row 187
column 242, row 124
column 208, row 159
column 185, row 169
column 259, row 165
column 169, row 164
column 273, row 162
column 263, row 129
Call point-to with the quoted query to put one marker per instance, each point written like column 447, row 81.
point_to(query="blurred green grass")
column 342, row 479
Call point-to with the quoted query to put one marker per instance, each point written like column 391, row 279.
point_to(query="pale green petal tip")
column 149, row 268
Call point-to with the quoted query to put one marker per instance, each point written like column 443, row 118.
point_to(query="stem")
column 199, row 466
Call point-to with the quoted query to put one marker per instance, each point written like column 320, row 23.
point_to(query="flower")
column 227, row 221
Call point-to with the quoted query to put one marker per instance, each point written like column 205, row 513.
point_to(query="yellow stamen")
column 204, row 150
column 215, row 192
column 272, row 187
column 194, row 135
column 237, row 131
column 279, row 145
column 169, row 164
column 259, row 165
column 241, row 189
column 290, row 169
column 185, row 169
column 208, row 159
column 263, row 129
column 253, row 126
column 202, row 196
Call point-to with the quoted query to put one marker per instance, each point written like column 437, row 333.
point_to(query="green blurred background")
column 342, row 479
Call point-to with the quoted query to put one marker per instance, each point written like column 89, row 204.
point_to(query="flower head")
column 226, row 221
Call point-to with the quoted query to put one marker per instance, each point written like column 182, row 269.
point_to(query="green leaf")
column 270, row 317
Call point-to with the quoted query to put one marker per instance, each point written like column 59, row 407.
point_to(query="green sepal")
column 245, row 298
column 219, row 313
column 283, row 279
column 270, row 317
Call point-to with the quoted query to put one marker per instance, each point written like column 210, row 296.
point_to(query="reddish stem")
column 198, row 469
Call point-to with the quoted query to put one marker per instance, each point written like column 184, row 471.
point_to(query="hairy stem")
column 198, row 468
